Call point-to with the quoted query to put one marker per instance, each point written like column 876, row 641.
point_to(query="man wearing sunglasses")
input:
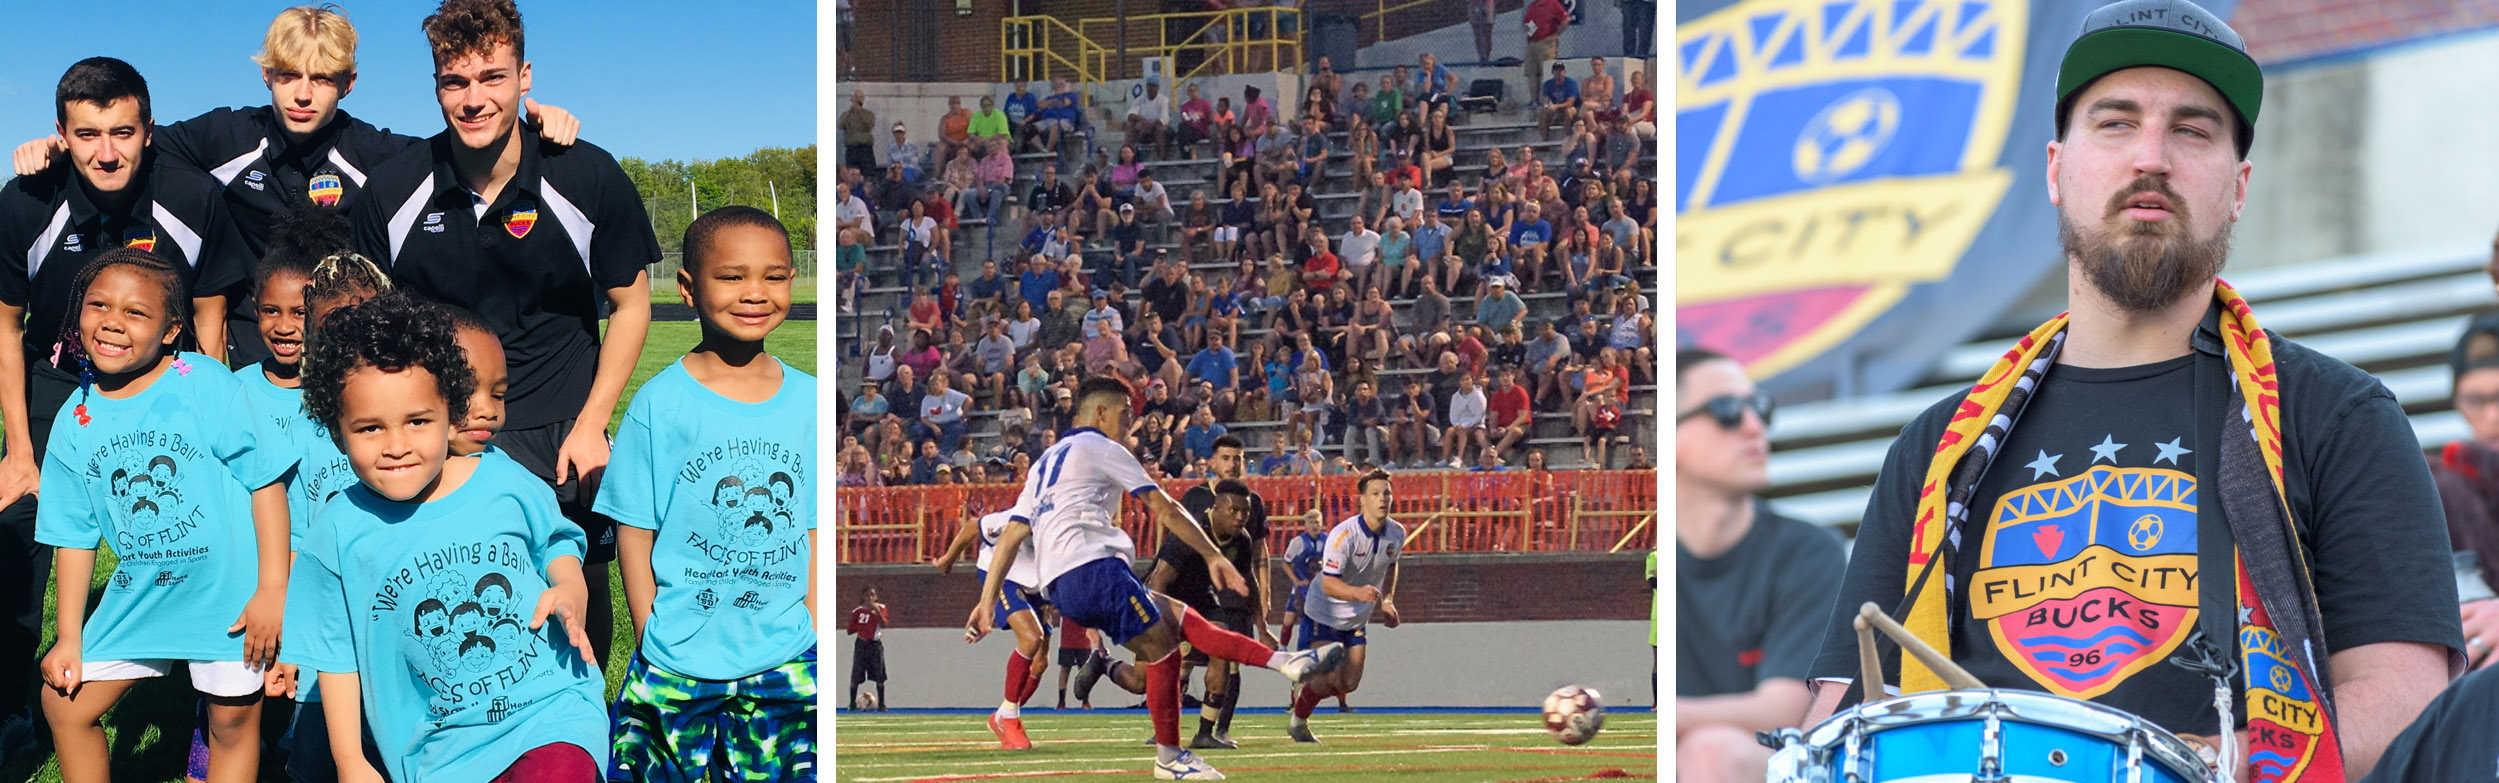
column 1751, row 587
column 2152, row 492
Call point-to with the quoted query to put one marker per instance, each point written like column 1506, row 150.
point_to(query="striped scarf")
column 2289, row 715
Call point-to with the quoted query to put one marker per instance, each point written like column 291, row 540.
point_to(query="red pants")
column 553, row 763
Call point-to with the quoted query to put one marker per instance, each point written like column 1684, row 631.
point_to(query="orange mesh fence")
column 1443, row 511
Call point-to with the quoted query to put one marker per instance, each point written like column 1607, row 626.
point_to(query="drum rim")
column 2113, row 725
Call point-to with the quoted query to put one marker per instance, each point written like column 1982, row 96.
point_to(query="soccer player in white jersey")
column 1069, row 510
column 1357, row 578
column 1017, row 607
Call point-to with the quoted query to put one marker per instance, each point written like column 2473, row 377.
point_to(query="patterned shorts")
column 673, row 729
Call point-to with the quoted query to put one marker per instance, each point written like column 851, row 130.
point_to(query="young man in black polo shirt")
column 536, row 239
column 116, row 192
column 299, row 148
column 1223, row 683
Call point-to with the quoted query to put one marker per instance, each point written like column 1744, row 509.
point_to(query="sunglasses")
column 1728, row 409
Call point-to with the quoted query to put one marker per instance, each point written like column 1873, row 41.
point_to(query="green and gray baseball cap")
column 2174, row 34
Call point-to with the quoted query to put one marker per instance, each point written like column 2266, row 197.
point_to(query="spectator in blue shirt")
column 1453, row 208
column 1201, row 435
column 1041, row 276
column 1216, row 364
column 1561, row 102
column 1432, row 81
column 1529, row 237
column 990, row 286
column 1060, row 114
column 1021, row 109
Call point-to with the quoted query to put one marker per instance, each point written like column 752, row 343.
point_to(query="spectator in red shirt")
column 1323, row 270
column 867, row 658
column 926, row 316
column 1511, row 419
column 1546, row 19
column 1600, row 418
column 1469, row 347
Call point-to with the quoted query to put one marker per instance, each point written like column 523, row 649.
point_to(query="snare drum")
column 1986, row 735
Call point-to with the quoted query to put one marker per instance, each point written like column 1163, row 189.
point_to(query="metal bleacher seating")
column 1338, row 201
column 2392, row 314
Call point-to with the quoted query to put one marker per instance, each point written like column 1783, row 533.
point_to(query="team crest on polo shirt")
column 325, row 190
column 141, row 237
column 2085, row 581
column 74, row 243
column 517, row 224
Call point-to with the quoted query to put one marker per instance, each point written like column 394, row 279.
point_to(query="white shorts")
column 1227, row 233
column 215, row 678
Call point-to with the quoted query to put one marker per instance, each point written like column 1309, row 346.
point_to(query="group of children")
column 360, row 523
column 394, row 511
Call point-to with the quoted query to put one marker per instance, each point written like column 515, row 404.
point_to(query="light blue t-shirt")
column 727, row 489
column 318, row 470
column 429, row 604
column 164, row 478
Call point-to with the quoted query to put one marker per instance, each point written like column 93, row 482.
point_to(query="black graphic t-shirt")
column 2078, row 572
column 1753, row 612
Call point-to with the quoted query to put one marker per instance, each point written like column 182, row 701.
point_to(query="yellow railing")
column 1235, row 50
column 1041, row 49
column 1090, row 50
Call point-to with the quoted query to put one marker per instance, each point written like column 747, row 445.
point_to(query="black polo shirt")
column 265, row 175
column 50, row 227
column 536, row 263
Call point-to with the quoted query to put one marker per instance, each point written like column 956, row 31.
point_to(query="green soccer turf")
column 890, row 748
column 151, row 728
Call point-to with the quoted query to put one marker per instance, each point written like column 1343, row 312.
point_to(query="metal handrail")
column 1092, row 63
column 1379, row 17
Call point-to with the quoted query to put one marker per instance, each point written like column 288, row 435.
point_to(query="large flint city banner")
column 1860, row 185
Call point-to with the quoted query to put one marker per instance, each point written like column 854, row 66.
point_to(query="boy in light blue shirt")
column 712, row 484
column 413, row 594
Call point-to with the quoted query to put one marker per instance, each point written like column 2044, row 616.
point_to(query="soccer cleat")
column 1187, row 767
column 1212, row 742
column 1010, row 733
column 1089, row 674
column 1300, row 732
column 1313, row 662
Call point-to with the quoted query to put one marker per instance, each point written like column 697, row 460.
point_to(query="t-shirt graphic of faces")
column 164, row 478
column 2084, row 578
column 430, row 604
column 728, row 489
column 319, row 471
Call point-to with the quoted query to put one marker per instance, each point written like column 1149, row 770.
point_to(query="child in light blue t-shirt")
column 437, row 562
column 149, row 460
column 309, row 271
column 712, row 485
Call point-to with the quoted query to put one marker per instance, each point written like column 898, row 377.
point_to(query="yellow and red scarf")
column 2289, row 717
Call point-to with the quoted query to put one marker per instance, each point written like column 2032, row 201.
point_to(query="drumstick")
column 1872, row 661
column 1955, row 677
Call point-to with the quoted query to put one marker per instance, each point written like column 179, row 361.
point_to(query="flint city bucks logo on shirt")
column 2086, row 580
column 325, row 189
column 755, row 539
column 462, row 621
column 141, row 473
column 141, row 237
column 518, row 223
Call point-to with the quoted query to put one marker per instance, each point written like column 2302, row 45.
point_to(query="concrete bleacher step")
column 2394, row 315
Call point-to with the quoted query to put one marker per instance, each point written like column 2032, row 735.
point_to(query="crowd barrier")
column 1443, row 511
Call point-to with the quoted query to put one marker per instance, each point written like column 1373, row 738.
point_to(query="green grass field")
column 929, row 748
column 151, row 729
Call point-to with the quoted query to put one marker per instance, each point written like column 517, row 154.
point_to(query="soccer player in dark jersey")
column 540, row 241
column 867, row 653
column 300, row 149
column 1228, row 463
column 113, row 192
column 1228, row 510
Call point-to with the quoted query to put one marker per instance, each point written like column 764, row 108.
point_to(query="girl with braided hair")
column 197, row 558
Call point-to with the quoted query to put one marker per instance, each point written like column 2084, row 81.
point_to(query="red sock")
column 1311, row 696
column 1032, row 684
column 1220, row 643
column 1018, row 668
column 1162, row 698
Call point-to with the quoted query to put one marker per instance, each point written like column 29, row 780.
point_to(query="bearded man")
column 2186, row 496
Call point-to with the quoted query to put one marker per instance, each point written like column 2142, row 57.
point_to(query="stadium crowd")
column 1398, row 338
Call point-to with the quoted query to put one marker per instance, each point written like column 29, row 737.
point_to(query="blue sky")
column 649, row 79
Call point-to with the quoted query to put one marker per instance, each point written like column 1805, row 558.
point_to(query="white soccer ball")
column 865, row 703
column 1574, row 714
